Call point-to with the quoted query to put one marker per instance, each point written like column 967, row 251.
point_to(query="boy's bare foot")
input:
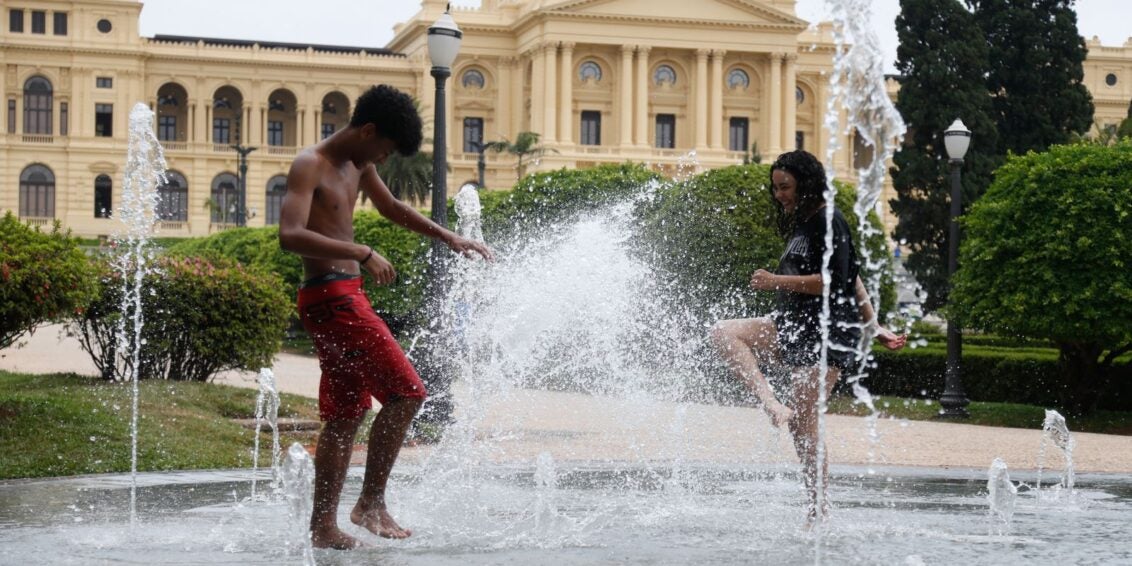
column 779, row 414
column 379, row 522
column 333, row 537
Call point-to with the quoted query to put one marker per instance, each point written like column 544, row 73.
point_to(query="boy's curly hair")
column 394, row 115
column 809, row 175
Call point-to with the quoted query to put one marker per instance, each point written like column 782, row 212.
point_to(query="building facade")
column 670, row 83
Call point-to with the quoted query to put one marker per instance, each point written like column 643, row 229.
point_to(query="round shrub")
column 543, row 200
column 708, row 234
column 201, row 317
column 1047, row 254
column 43, row 277
column 256, row 248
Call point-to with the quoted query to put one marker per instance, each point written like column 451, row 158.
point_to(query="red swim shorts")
column 358, row 355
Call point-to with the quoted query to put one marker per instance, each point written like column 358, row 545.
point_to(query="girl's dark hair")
column 809, row 176
column 393, row 114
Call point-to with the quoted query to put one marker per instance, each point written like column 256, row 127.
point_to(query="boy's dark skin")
column 316, row 222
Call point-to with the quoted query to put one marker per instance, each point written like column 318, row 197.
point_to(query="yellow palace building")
column 601, row 81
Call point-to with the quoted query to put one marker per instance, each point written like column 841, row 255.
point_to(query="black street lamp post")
column 443, row 45
column 242, row 194
column 954, row 401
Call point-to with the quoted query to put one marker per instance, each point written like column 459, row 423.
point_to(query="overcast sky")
column 369, row 23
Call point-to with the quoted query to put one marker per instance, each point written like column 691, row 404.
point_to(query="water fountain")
column 266, row 411
column 569, row 323
column 1056, row 432
column 1001, row 492
column 298, row 491
column 145, row 170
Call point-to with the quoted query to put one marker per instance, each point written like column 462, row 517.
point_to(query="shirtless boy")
column 358, row 356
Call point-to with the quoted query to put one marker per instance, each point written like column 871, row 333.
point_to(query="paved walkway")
column 582, row 427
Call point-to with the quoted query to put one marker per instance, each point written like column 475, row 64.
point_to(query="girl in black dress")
column 791, row 334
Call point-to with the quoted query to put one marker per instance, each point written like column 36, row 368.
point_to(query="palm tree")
column 408, row 178
column 525, row 144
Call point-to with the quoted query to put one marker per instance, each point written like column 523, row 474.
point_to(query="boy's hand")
column 469, row 248
column 380, row 269
column 889, row 339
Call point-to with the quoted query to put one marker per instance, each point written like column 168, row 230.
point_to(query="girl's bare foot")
column 779, row 414
column 333, row 537
column 379, row 522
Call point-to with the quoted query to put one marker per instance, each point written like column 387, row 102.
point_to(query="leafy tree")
column 1048, row 254
column 943, row 60
column 1036, row 73
column 43, row 277
column 525, row 146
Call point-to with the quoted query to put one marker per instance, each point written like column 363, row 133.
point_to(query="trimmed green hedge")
column 1028, row 375
column 201, row 317
column 543, row 200
column 44, row 276
column 708, row 234
column 258, row 248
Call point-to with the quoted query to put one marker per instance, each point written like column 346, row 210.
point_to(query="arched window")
column 589, row 71
column 38, row 101
column 173, row 198
column 103, row 192
column 664, row 75
column 799, row 95
column 738, row 79
column 37, row 192
column 473, row 79
column 224, row 198
column 276, row 188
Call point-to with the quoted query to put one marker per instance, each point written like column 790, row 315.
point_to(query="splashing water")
column 1001, row 492
column 145, row 171
column 857, row 87
column 298, row 490
column 1056, row 431
column 266, row 410
column 470, row 212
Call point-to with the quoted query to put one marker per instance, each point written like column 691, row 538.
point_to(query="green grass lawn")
column 989, row 414
column 63, row 424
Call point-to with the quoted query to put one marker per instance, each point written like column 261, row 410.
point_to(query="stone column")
column 518, row 106
column 258, row 125
column 191, row 127
column 774, row 139
column 642, row 109
column 717, row 86
column 538, row 87
column 313, row 127
column 821, row 144
column 503, row 100
column 626, row 104
column 790, row 102
column 209, row 104
column 566, row 104
column 550, row 117
column 701, row 92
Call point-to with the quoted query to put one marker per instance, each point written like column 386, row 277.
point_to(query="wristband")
column 369, row 255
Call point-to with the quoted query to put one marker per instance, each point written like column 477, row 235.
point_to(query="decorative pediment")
column 731, row 11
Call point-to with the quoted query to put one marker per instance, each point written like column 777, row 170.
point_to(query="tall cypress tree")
column 1036, row 72
column 942, row 58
